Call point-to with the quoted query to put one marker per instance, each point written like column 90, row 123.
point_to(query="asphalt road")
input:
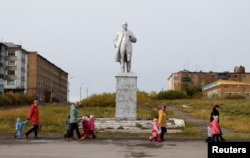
column 100, row 148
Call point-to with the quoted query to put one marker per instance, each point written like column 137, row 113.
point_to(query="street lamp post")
column 87, row 92
column 81, row 90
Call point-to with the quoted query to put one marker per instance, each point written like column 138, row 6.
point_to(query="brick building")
column 226, row 88
column 214, row 84
column 46, row 80
column 28, row 73
column 185, row 77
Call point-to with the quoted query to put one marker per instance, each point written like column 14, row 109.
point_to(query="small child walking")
column 156, row 130
column 209, row 134
column 68, row 127
column 91, row 122
column 85, row 128
column 19, row 127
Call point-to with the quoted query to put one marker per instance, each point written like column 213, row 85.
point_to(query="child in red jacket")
column 155, row 131
column 85, row 128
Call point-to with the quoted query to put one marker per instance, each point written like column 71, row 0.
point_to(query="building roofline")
column 40, row 56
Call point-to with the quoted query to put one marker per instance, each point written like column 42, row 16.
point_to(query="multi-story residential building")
column 2, row 67
column 46, row 80
column 15, row 68
column 28, row 73
column 185, row 77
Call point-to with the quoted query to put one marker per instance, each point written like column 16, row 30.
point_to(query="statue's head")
column 125, row 25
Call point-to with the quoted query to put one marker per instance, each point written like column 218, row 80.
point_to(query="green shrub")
column 109, row 100
column 15, row 99
column 171, row 94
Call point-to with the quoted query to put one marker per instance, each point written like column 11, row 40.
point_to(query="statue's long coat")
column 117, row 43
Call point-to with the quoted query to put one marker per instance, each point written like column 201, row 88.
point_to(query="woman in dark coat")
column 215, row 112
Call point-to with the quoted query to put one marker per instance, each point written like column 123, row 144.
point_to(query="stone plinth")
column 126, row 93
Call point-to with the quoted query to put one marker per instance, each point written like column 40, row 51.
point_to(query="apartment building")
column 214, row 84
column 46, row 80
column 28, row 73
column 2, row 67
column 14, row 68
column 185, row 77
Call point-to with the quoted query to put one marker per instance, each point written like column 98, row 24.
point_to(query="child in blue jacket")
column 19, row 127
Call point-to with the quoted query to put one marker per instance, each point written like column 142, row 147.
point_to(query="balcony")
column 186, row 79
column 11, row 77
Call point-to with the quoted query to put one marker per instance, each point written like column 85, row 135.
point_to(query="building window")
column 247, row 95
column 235, row 76
column 11, row 63
column 215, row 76
column 11, row 54
column 11, row 72
column 10, row 82
column 229, row 94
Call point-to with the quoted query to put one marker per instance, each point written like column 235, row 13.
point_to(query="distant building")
column 185, row 77
column 45, row 80
column 226, row 88
column 28, row 73
column 3, row 49
column 15, row 68
column 214, row 84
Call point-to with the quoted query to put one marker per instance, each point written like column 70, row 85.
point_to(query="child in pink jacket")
column 92, row 126
column 215, row 127
column 155, row 131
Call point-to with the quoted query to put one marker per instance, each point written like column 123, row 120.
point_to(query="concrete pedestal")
column 126, row 93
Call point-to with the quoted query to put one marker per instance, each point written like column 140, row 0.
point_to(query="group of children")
column 88, row 127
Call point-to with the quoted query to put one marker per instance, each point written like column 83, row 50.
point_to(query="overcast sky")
column 172, row 35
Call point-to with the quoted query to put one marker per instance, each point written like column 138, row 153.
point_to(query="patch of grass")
column 234, row 115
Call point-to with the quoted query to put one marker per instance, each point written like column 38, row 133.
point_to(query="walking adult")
column 162, row 121
column 34, row 118
column 73, row 120
column 215, row 112
column 123, row 44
